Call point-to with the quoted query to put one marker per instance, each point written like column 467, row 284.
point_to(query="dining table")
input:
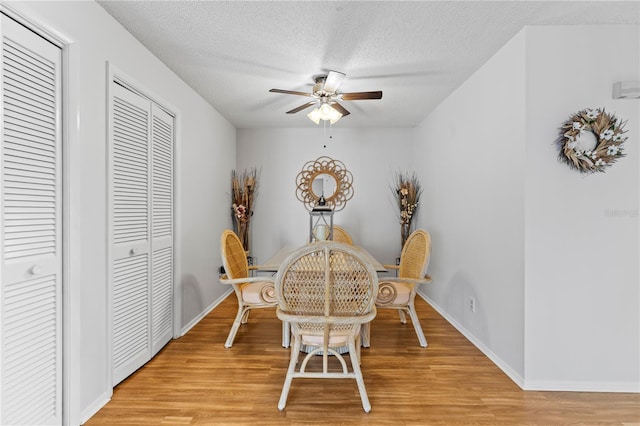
column 272, row 264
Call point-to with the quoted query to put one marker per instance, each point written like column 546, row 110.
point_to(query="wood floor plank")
column 195, row 380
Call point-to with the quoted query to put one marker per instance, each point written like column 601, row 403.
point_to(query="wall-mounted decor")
column 324, row 179
column 609, row 136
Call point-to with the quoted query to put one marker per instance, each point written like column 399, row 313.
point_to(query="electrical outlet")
column 472, row 304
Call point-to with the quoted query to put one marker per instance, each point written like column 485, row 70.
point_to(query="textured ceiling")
column 417, row 53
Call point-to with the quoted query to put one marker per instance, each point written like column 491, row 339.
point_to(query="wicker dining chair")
column 399, row 292
column 252, row 292
column 341, row 236
column 326, row 291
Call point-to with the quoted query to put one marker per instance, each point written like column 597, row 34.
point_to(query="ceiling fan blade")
column 342, row 110
column 334, row 78
column 356, row 96
column 301, row 107
column 290, row 92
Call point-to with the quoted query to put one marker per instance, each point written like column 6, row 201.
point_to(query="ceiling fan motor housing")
column 318, row 88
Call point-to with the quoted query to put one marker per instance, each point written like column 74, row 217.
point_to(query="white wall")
column 472, row 150
column 582, row 285
column 206, row 154
column 580, row 327
column 371, row 155
column 207, row 158
column 550, row 255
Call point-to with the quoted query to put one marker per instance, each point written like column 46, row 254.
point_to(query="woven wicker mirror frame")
column 328, row 170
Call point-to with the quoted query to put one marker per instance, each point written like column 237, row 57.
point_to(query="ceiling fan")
column 326, row 96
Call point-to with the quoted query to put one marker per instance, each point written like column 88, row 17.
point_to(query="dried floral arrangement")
column 608, row 131
column 407, row 191
column 243, row 192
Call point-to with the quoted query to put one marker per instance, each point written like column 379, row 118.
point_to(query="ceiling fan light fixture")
column 324, row 112
column 335, row 116
column 314, row 115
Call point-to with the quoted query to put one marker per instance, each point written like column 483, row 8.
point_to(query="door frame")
column 114, row 73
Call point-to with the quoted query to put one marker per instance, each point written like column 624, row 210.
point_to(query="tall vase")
column 243, row 234
column 242, row 230
column 405, row 231
column 245, row 237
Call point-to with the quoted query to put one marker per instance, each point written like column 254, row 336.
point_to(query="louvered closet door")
column 141, row 194
column 129, row 231
column 161, row 229
column 30, row 298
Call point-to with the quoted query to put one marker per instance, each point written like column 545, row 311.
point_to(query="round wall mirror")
column 324, row 177
column 324, row 185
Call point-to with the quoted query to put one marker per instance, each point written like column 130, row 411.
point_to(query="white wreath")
column 608, row 131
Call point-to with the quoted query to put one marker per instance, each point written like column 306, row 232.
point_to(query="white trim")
column 122, row 78
column 108, row 296
column 94, row 407
column 115, row 74
column 573, row 386
column 177, row 226
column 71, row 292
column 534, row 385
column 51, row 36
column 513, row 375
column 205, row 312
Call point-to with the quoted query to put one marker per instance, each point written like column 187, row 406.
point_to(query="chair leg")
column 295, row 351
column 245, row 317
column 286, row 334
column 365, row 334
column 416, row 325
column 236, row 325
column 355, row 364
column 403, row 317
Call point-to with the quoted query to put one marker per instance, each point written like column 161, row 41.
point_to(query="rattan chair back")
column 234, row 258
column 326, row 279
column 341, row 236
column 414, row 259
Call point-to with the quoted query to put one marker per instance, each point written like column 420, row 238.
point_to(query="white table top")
column 273, row 263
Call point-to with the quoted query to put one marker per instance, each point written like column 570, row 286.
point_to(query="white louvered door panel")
column 162, row 229
column 141, row 231
column 30, row 229
column 129, row 230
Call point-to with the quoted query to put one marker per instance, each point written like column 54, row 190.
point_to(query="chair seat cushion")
column 251, row 293
column 403, row 291
column 334, row 341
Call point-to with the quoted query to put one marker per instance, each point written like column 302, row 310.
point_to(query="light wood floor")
column 195, row 380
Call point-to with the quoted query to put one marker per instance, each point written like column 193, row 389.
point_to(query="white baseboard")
column 559, row 386
column 94, row 407
column 506, row 369
column 204, row 313
column 534, row 385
